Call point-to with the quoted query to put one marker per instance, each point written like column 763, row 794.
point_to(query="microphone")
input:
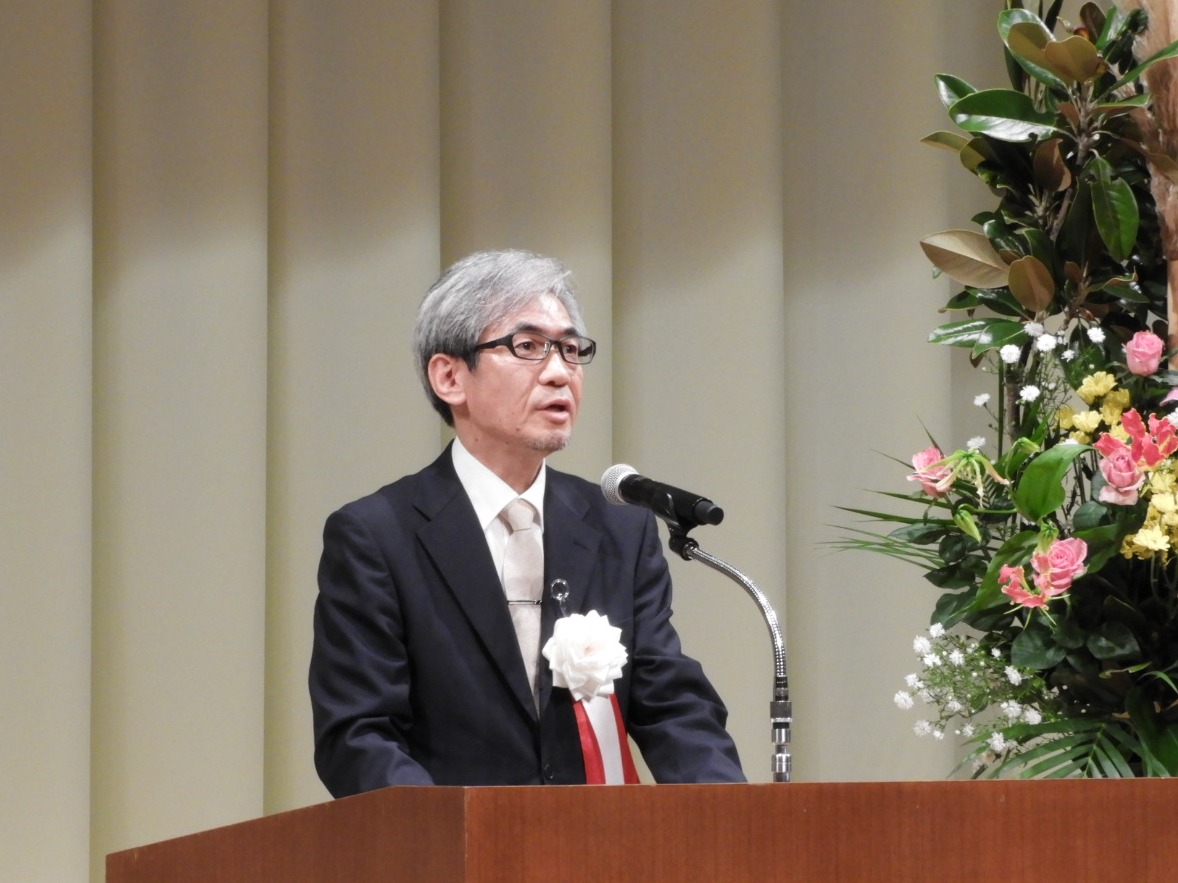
column 622, row 484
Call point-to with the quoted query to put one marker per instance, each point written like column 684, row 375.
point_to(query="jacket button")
column 548, row 772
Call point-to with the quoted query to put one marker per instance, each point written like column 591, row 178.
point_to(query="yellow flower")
column 1096, row 385
column 1150, row 538
column 1163, row 482
column 1163, row 513
column 1087, row 421
column 1164, row 504
column 1114, row 405
column 1081, row 438
column 1064, row 415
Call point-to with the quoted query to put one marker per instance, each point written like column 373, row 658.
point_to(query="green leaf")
column 953, row 141
column 1112, row 108
column 1069, row 634
column 1115, row 209
column 1001, row 332
column 1003, row 114
column 1066, row 748
column 951, row 607
column 973, row 332
column 1113, row 640
column 952, row 89
column 954, row 547
column 1104, row 543
column 1014, row 551
column 1039, row 491
column 1035, row 648
column 920, row 534
column 966, row 256
column 1159, row 740
column 1089, row 516
column 952, row 576
column 1170, row 51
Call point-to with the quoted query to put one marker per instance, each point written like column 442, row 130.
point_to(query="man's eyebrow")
column 569, row 330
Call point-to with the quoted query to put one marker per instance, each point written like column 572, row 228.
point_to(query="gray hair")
column 475, row 293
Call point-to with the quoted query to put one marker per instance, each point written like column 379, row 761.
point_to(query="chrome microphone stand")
column 780, row 708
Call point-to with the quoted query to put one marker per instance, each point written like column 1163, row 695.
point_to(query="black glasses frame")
column 586, row 347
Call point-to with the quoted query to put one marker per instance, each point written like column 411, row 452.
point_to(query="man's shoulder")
column 586, row 499
column 408, row 491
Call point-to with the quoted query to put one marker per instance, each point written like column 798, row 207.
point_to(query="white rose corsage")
column 586, row 655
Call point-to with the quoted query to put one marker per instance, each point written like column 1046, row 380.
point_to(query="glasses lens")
column 535, row 347
column 577, row 350
column 527, row 345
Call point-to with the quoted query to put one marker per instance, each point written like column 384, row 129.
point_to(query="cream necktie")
column 523, row 581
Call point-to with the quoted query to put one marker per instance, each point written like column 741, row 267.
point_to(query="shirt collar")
column 488, row 492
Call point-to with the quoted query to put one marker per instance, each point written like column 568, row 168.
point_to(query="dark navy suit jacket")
column 416, row 676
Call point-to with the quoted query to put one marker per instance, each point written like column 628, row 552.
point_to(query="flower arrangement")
column 1053, row 648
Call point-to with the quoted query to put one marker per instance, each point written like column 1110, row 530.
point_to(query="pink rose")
column 927, row 473
column 1059, row 565
column 1119, row 468
column 1144, row 352
column 1014, row 584
column 1123, row 479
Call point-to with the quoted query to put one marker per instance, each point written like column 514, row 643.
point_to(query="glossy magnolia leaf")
column 1030, row 281
column 952, row 89
column 1051, row 172
column 1094, row 20
column 1107, row 108
column 1027, row 38
column 999, row 334
column 967, row 257
column 954, row 141
column 1124, row 289
column 1040, row 245
column 1003, row 114
column 971, row 332
column 974, row 154
column 1115, row 209
column 1074, row 60
column 1040, row 489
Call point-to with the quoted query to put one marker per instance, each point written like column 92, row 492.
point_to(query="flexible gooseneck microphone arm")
column 780, row 707
column 682, row 511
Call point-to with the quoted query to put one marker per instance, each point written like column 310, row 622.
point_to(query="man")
column 417, row 672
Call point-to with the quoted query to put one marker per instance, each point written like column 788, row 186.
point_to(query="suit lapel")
column 454, row 540
column 570, row 553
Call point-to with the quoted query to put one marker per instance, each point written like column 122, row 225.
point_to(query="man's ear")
column 446, row 375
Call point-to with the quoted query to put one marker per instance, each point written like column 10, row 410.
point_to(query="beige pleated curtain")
column 217, row 218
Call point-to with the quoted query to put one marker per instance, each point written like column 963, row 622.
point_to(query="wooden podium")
column 1074, row 830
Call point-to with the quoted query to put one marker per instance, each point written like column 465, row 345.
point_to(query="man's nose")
column 555, row 369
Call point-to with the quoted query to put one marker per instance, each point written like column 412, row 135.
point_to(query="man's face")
column 516, row 405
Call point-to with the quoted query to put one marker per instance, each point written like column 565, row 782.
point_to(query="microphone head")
column 611, row 482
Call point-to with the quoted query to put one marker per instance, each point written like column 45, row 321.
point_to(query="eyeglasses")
column 535, row 347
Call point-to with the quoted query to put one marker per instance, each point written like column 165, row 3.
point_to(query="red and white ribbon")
column 603, row 742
